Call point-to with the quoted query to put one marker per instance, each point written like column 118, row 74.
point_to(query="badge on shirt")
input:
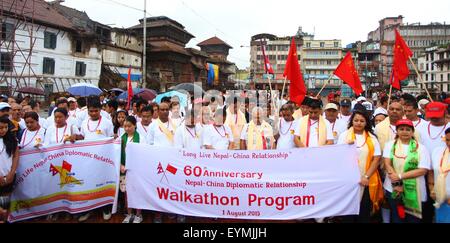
column 292, row 132
column 335, row 134
column 98, row 132
column 226, row 135
column 443, row 139
column 38, row 140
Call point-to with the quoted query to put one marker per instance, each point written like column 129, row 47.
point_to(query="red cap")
column 435, row 110
column 447, row 101
column 405, row 122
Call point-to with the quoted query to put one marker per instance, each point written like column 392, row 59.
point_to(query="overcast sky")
column 235, row 21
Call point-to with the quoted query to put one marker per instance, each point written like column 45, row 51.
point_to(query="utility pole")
column 144, row 58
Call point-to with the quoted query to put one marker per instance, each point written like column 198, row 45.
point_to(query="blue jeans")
column 443, row 213
column 395, row 218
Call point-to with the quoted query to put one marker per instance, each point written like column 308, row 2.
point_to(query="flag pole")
column 420, row 78
column 390, row 94
column 271, row 91
column 324, row 85
column 284, row 86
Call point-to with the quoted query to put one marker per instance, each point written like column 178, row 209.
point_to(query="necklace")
column 57, row 129
column 281, row 129
column 96, row 128
column 429, row 132
column 25, row 138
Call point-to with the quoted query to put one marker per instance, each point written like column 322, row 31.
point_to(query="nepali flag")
column 267, row 66
column 160, row 168
column 171, row 169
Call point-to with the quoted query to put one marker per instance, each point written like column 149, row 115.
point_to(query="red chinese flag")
column 130, row 89
column 267, row 67
column 66, row 166
column 347, row 72
column 297, row 90
column 402, row 53
column 171, row 169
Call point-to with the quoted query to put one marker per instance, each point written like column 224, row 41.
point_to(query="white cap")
column 360, row 99
column 4, row 105
column 71, row 99
column 331, row 106
column 368, row 106
column 423, row 102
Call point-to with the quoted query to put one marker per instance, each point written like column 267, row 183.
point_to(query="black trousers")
column 365, row 209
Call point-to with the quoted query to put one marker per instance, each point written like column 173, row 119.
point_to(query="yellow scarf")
column 166, row 131
column 297, row 114
column 236, row 125
column 440, row 186
column 399, row 164
column 259, row 133
column 365, row 159
column 304, row 121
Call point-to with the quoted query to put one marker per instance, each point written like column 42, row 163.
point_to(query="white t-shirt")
column 189, row 138
column 55, row 135
column 83, row 115
column 217, row 137
column 345, row 119
column 143, row 130
column 156, row 137
column 435, row 138
column 435, row 165
column 424, row 163
column 120, row 132
column 5, row 160
column 286, row 131
column 94, row 130
column 30, row 139
column 314, row 133
column 420, row 124
column 70, row 120
column 338, row 127
column 360, row 140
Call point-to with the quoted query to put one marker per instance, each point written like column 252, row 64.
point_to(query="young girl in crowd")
column 34, row 134
column 119, row 120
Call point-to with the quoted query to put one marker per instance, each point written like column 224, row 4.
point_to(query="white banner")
column 269, row 185
column 72, row 178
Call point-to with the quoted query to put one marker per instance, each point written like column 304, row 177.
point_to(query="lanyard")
column 62, row 136
column 98, row 124
column 25, row 138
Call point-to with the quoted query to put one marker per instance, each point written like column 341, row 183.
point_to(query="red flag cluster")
column 267, row 66
column 297, row 91
column 130, row 89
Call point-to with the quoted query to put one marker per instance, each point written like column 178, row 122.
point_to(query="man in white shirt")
column 383, row 106
column 345, row 110
column 313, row 130
column 96, row 127
column 432, row 135
column 338, row 126
column 286, row 128
column 258, row 134
column 189, row 135
column 219, row 135
column 146, row 120
column 161, row 132
column 411, row 109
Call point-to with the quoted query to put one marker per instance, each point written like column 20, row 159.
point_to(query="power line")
column 123, row 5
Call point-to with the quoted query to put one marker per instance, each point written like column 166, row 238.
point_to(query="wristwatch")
column 366, row 176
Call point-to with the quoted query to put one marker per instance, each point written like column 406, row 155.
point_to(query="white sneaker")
column 320, row 220
column 127, row 219
column 84, row 217
column 137, row 219
column 107, row 216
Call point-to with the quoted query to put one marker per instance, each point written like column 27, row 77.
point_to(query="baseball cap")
column 4, row 105
column 368, row 106
column 71, row 99
column 346, row 103
column 435, row 110
column 405, row 122
column 331, row 106
column 361, row 98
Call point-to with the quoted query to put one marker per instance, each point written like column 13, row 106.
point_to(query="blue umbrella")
column 183, row 97
column 84, row 89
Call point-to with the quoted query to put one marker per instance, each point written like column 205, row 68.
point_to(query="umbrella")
column 189, row 87
column 147, row 94
column 84, row 89
column 31, row 90
column 181, row 96
column 117, row 90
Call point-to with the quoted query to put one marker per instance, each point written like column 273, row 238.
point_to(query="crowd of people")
column 403, row 141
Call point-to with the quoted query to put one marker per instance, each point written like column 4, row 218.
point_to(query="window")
column 322, row 44
column 49, row 66
column 49, row 40
column 426, row 77
column 328, row 62
column 78, row 46
column 442, row 79
column 308, row 44
column 336, row 44
column 6, row 62
column 80, row 69
column 7, row 31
